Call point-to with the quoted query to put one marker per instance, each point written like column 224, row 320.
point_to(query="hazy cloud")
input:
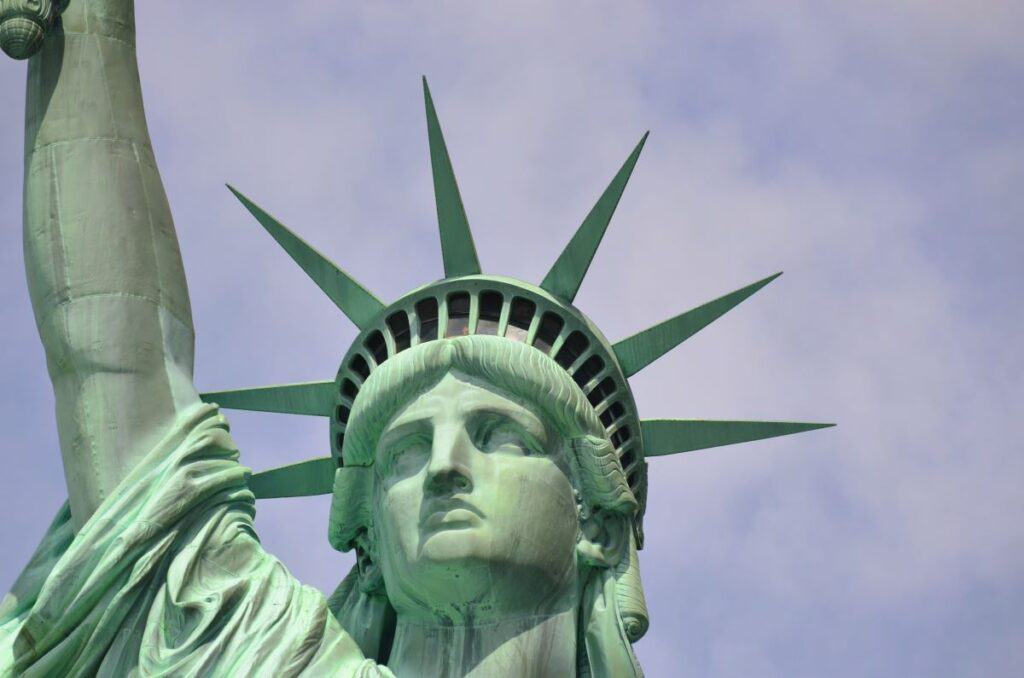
column 874, row 151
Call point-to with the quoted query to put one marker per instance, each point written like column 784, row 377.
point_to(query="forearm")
column 102, row 259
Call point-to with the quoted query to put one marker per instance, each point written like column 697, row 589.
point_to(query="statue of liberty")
column 487, row 462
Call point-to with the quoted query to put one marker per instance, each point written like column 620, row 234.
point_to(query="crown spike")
column 305, row 479
column 672, row 436
column 642, row 349
column 457, row 248
column 566, row 276
column 354, row 300
column 313, row 398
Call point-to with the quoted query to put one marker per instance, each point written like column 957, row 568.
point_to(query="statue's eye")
column 498, row 434
column 405, row 457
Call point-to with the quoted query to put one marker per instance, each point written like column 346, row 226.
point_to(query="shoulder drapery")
column 168, row 578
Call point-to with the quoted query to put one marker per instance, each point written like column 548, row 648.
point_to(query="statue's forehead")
column 457, row 394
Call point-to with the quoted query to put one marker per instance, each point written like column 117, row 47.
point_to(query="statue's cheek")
column 538, row 508
column 399, row 512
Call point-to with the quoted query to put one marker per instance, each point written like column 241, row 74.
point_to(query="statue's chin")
column 465, row 574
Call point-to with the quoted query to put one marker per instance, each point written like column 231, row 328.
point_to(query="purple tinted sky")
column 874, row 151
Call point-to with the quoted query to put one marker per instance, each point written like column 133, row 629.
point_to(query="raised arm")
column 104, row 270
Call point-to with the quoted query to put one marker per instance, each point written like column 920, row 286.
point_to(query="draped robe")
column 168, row 577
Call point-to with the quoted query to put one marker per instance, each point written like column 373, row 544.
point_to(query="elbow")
column 114, row 334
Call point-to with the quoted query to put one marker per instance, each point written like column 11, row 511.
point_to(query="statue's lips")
column 451, row 514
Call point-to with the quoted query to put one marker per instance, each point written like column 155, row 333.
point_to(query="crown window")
column 348, row 389
column 613, row 412
column 520, row 316
column 398, row 323
column 620, row 436
column 359, row 366
column 601, row 391
column 550, row 327
column 376, row 346
column 588, row 370
column 490, row 313
column 458, row 315
column 572, row 349
column 426, row 312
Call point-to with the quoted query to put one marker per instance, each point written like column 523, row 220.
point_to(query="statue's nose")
column 451, row 461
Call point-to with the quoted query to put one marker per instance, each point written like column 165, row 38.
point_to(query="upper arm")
column 104, row 270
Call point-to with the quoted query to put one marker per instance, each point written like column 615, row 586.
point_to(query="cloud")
column 873, row 152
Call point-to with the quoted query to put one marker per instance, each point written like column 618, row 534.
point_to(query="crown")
column 466, row 302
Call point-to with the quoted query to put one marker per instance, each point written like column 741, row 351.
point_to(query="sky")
column 873, row 151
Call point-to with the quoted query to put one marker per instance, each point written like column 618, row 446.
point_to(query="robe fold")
column 168, row 578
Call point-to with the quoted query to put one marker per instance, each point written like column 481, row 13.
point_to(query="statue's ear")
column 604, row 538
column 371, row 579
column 351, row 515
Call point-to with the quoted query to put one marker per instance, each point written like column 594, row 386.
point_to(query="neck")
column 525, row 646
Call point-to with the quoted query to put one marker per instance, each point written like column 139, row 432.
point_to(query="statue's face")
column 475, row 510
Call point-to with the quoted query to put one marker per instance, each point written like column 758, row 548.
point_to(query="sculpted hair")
column 512, row 367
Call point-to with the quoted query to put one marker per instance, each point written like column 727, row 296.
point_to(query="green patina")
column 487, row 460
column 566, row 276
